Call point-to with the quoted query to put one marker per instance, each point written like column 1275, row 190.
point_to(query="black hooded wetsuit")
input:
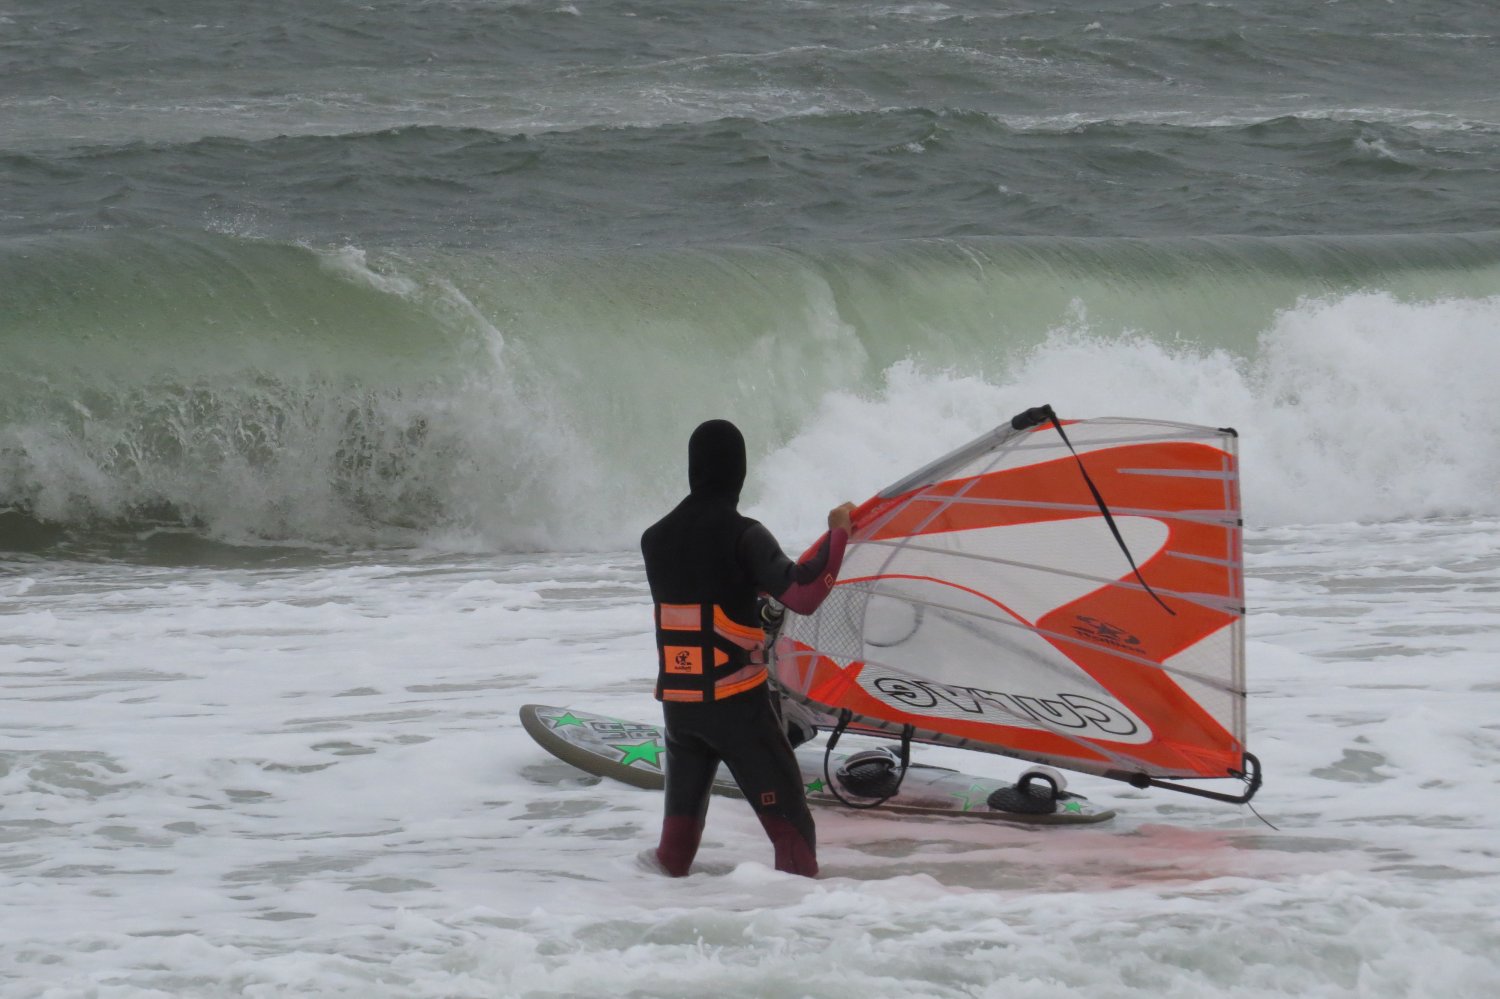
column 707, row 565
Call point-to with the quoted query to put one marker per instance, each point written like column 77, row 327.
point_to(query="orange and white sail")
column 989, row 601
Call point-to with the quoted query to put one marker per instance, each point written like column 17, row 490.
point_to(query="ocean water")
column 345, row 350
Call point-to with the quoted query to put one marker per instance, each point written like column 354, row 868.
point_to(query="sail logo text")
column 1075, row 713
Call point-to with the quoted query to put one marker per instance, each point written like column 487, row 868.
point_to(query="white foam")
column 353, row 264
column 1360, row 407
column 312, row 780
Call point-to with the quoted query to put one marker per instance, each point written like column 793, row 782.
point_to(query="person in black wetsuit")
column 707, row 565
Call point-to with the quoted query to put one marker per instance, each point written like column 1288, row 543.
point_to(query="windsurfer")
column 707, row 565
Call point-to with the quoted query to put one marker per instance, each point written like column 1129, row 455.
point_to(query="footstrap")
column 845, row 717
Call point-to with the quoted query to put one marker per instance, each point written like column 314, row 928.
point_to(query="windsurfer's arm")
column 799, row 585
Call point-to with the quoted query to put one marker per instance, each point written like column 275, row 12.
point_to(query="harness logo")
column 683, row 660
column 1075, row 713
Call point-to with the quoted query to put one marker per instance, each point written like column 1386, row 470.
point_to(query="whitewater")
column 288, row 781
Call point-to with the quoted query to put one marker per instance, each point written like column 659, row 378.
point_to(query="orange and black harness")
column 705, row 655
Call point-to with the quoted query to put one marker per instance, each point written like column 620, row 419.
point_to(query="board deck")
column 633, row 752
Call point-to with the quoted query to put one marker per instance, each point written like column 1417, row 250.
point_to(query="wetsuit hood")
column 716, row 461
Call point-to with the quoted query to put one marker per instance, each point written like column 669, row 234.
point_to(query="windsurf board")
column 635, row 753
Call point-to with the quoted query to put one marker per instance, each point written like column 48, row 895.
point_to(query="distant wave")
column 259, row 390
column 852, row 176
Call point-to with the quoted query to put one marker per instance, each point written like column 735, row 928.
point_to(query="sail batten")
column 1214, row 516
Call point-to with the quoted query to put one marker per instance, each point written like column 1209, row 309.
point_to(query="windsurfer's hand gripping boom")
column 800, row 585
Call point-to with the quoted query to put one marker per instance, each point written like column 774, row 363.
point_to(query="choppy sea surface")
column 345, row 350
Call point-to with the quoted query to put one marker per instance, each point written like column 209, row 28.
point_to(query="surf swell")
column 263, row 390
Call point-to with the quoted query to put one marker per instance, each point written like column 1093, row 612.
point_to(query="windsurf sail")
column 1065, row 592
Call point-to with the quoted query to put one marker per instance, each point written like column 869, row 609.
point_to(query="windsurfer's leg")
column 789, row 824
column 766, row 770
column 691, row 767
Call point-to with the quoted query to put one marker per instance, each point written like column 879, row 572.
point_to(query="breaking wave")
column 256, row 391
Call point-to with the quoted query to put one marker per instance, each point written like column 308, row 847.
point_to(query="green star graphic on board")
column 647, row 752
column 968, row 796
column 567, row 719
column 1072, row 806
column 816, row 785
